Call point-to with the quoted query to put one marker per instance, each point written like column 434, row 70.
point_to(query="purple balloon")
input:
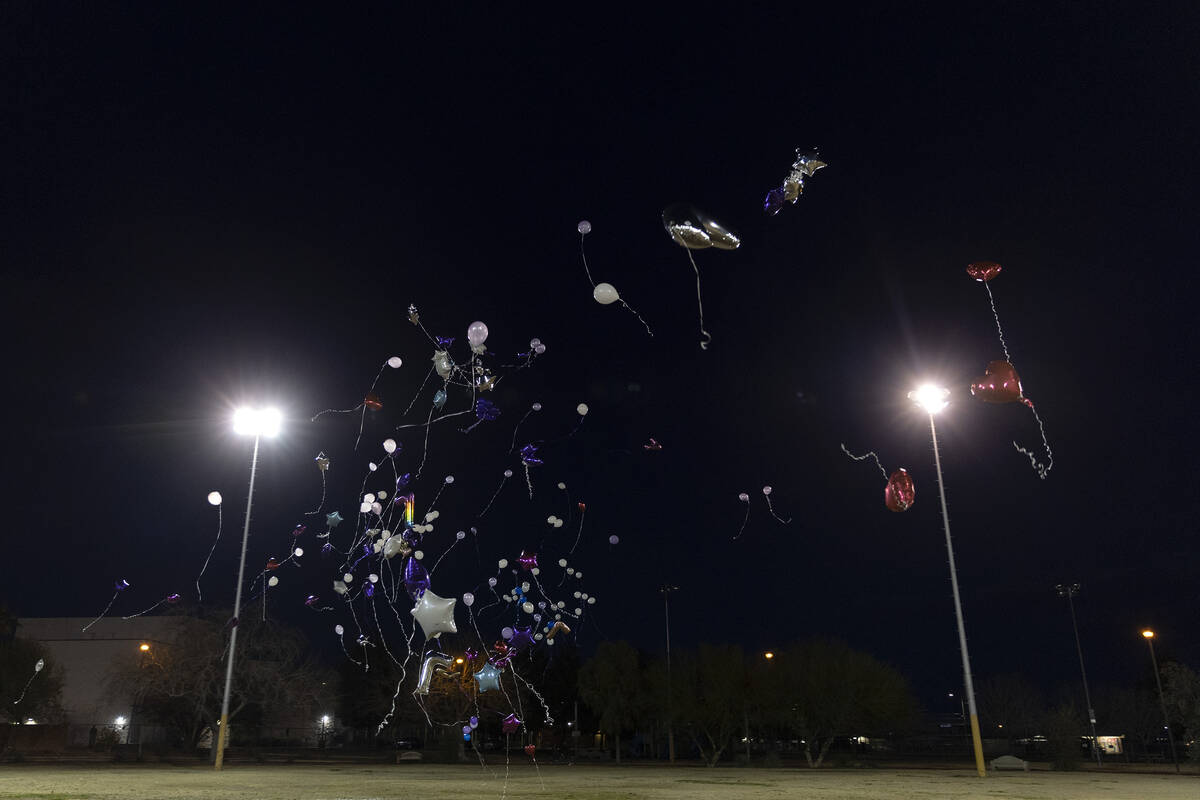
column 614, row 539
column 416, row 578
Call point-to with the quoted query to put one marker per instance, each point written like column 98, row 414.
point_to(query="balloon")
column 396, row 545
column 394, row 362
column 471, row 653
column 510, row 724
column 474, row 722
column 389, row 445
column 416, row 578
column 272, row 564
column 529, row 749
column 299, row 529
column 767, row 490
column 477, row 333
column 39, row 665
column 614, row 539
column 339, row 630
column 488, row 678
column 434, row 662
column 439, row 398
column 899, row 493
column 373, row 402
column 805, row 165
column 442, row 364
column 983, row 271
column 745, row 498
column 272, row 581
column 333, row 520
column 584, row 227
column 695, row 230
column 172, row 599
column 322, row 463
column 435, row 614
column 582, row 409
column 605, row 293
column 999, row 384
column 468, row 599
column 121, row 585
column 528, row 560
column 214, row 498
column 312, row 600
column 466, row 729
column 558, row 627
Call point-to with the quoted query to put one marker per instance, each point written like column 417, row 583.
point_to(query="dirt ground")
column 524, row 782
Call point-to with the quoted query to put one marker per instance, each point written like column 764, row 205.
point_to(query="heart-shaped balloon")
column 899, row 493
column 983, row 271
column 529, row 750
column 373, row 402
column 999, row 384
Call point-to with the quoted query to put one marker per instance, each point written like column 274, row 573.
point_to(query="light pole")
column 932, row 399
column 256, row 423
column 1149, row 636
column 1069, row 592
column 666, row 590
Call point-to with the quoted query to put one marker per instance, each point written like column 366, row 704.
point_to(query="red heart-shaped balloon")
column 373, row 402
column 983, row 271
column 999, row 384
column 529, row 749
column 583, row 506
column 899, row 493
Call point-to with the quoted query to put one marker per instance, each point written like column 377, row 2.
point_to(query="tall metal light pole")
column 666, row 590
column 258, row 423
column 932, row 399
column 1069, row 592
column 1149, row 635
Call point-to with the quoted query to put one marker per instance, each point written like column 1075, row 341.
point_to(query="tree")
column 1181, row 694
column 1012, row 702
column 710, row 697
column 833, row 691
column 25, row 692
column 608, row 683
column 1063, row 727
column 181, row 684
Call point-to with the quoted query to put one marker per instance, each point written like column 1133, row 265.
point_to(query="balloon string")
column 102, row 613
column 744, row 520
column 1042, row 469
column 147, row 611
column 324, row 488
column 28, row 683
column 582, row 515
column 337, row 411
column 996, row 317
column 529, row 481
column 771, row 508
column 700, row 305
column 342, row 641
column 582, row 236
column 494, row 496
column 199, row 596
column 870, row 454
column 639, row 316
column 418, row 393
column 513, row 446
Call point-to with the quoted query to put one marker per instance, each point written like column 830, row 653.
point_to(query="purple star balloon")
column 510, row 724
column 529, row 456
column 528, row 560
column 486, row 410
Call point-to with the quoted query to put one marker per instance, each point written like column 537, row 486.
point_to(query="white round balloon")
column 214, row 498
column 394, row 362
column 582, row 409
column 605, row 293
column 477, row 333
column 389, row 445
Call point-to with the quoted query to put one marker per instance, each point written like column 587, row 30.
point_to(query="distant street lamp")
column 256, row 423
column 1149, row 636
column 666, row 590
column 1069, row 592
column 932, row 399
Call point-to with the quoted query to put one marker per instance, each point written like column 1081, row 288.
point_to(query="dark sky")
column 207, row 206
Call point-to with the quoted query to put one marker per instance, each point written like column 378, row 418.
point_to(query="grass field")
column 524, row 782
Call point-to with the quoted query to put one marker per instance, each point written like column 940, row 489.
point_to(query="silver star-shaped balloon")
column 488, row 678
column 436, row 614
column 333, row 520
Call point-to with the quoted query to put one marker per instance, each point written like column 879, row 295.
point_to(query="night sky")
column 208, row 206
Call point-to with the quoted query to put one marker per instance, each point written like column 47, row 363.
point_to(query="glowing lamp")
column 1149, row 634
column 931, row 399
column 257, row 421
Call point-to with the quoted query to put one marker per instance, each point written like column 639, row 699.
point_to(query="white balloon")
column 577, row 595
column 273, row 581
column 339, row 630
column 368, row 497
column 347, row 577
column 535, row 571
column 578, row 611
column 364, row 508
column 371, row 465
column 605, row 293
column 579, row 575
column 389, row 445
column 591, row 601
column 507, row 633
column 449, row 479
column 383, row 495
column 582, row 409
column 562, row 562
column 558, row 523
column 339, row 587
column 468, row 599
column 377, row 508
column 583, row 595
column 460, row 535
column 373, row 578
column 527, row 607
column 584, row 227
column 767, row 490
column 502, row 563
column 214, row 498
column 394, row 362
column 508, row 473
column 418, row 554
column 550, row 519
column 525, row 586
column 299, row 551
column 477, row 333
column 570, row 570
column 492, row 582
column 562, row 485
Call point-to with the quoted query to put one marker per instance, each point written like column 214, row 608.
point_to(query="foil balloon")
column 558, row 627
column 394, row 546
column 530, row 749
column 805, row 166
column 527, row 560
column 373, row 402
column 983, row 271
column 488, row 678
column 999, row 384
column 435, row 614
column 442, row 364
column 416, row 577
column 695, row 230
column 434, row 662
column 899, row 493
column 510, row 724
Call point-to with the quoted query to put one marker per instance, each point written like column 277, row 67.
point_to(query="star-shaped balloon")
column 521, row 639
column 485, row 410
column 510, row 724
column 528, row 560
column 322, row 462
column 488, row 678
column 435, row 614
column 333, row 520
column 529, row 456
column 413, row 316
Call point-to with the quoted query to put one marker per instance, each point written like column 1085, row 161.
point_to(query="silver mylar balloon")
column 684, row 225
column 722, row 237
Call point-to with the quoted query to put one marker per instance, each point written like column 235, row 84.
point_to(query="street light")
column 1149, row 636
column 257, row 423
column 1069, row 592
column 932, row 399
